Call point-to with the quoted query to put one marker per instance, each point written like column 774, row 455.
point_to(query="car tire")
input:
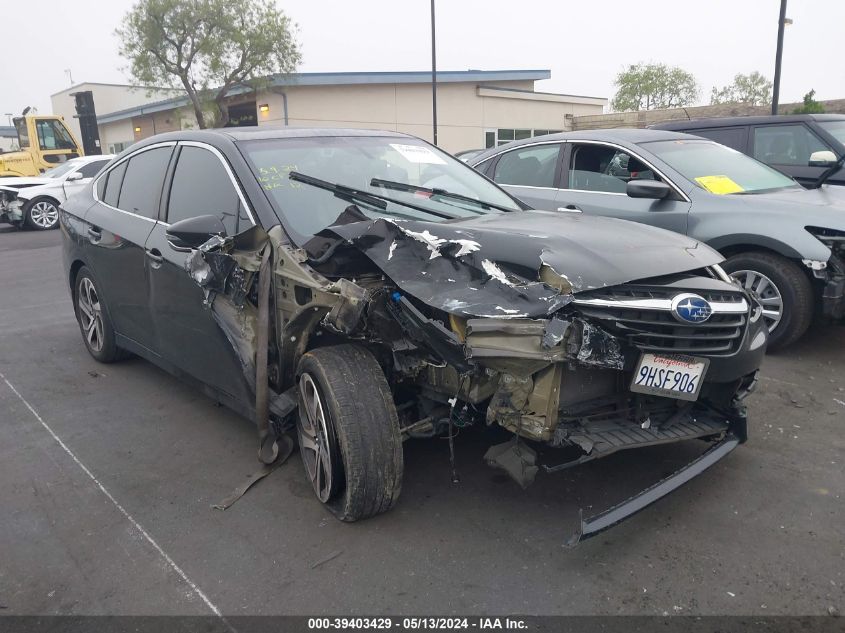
column 348, row 432
column 93, row 318
column 41, row 214
column 782, row 282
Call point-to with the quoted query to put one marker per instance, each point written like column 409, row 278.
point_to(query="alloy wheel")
column 90, row 314
column 767, row 294
column 313, row 429
column 44, row 214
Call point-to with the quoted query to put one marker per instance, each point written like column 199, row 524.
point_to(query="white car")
column 35, row 201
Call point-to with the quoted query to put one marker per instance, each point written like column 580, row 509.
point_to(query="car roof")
column 267, row 132
column 615, row 135
column 92, row 157
column 731, row 121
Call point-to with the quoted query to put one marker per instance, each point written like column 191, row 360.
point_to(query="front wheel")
column 348, row 431
column 41, row 214
column 782, row 288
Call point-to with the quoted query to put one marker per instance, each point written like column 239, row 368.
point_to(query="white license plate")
column 670, row 375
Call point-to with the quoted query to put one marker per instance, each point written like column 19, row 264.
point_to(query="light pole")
column 782, row 21
column 434, row 76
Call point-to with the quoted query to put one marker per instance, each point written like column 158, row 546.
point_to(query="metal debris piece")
column 516, row 458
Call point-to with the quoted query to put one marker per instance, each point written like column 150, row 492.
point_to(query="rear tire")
column 93, row 318
column 348, row 430
column 41, row 214
column 776, row 280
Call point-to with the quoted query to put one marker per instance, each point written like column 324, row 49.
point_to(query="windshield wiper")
column 345, row 192
column 402, row 186
column 827, row 173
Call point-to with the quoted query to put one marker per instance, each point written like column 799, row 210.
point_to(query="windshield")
column 835, row 128
column 61, row 170
column 719, row 169
column 368, row 164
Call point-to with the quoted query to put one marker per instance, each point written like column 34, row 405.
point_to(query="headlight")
column 832, row 238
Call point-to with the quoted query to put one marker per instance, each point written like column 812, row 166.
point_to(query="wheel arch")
column 729, row 245
column 73, row 271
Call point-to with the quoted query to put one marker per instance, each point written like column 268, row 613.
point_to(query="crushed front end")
column 11, row 207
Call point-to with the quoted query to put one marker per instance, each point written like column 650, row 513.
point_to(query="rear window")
column 112, row 186
column 733, row 137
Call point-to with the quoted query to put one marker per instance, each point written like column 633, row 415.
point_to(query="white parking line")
column 117, row 505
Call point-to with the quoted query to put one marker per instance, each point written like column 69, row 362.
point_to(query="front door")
column 788, row 148
column 186, row 331
column 595, row 179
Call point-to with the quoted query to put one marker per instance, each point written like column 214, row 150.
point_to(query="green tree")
column 653, row 87
column 208, row 47
column 811, row 106
column 753, row 89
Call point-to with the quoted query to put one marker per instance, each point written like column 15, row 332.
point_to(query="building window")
column 506, row 135
column 116, row 148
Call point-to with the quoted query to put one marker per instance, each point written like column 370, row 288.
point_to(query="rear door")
column 595, row 178
column 530, row 173
column 186, row 332
column 117, row 226
column 788, row 148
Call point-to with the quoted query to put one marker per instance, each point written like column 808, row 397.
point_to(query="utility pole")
column 778, row 55
column 434, row 76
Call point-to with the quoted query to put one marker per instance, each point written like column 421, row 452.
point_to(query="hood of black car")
column 491, row 265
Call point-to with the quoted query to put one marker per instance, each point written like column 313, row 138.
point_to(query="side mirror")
column 194, row 232
column 77, row 175
column 647, row 189
column 822, row 158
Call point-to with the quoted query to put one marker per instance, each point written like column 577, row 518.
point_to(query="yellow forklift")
column 44, row 141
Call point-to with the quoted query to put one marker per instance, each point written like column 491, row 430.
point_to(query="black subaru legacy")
column 355, row 289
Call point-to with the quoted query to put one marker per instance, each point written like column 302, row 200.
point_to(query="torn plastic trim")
column 598, row 523
column 431, row 334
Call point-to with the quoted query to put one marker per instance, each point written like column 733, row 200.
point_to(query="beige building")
column 475, row 108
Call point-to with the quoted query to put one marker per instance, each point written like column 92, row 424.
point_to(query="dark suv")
column 802, row 146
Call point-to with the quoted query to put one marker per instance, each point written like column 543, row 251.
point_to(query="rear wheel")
column 781, row 287
column 41, row 214
column 349, row 432
column 93, row 318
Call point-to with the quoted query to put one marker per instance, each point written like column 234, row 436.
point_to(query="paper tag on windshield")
column 720, row 185
column 418, row 154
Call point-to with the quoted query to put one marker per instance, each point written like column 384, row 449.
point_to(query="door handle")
column 571, row 208
column 156, row 257
column 94, row 233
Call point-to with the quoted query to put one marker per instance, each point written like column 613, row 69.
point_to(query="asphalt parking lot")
column 108, row 474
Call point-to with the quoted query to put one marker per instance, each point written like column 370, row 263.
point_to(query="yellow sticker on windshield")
column 718, row 184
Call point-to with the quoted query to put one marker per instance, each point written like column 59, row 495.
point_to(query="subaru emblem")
column 690, row 308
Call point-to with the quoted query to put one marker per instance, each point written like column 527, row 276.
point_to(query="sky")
column 584, row 43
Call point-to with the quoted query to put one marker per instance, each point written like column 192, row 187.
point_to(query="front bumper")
column 833, row 297
column 600, row 522
column 11, row 212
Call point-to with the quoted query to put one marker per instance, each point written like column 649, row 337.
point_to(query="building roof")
column 347, row 79
column 8, row 131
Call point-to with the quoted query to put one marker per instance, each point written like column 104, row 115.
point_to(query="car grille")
column 643, row 317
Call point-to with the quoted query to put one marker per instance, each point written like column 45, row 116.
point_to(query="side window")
column 92, row 169
column 484, row 167
column 141, row 190
column 533, row 166
column 53, row 135
column 605, row 169
column 733, row 137
column 112, row 186
column 201, row 186
column 786, row 144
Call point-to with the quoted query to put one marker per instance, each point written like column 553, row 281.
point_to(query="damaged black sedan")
column 359, row 288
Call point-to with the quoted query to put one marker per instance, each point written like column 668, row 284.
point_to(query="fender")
column 723, row 242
